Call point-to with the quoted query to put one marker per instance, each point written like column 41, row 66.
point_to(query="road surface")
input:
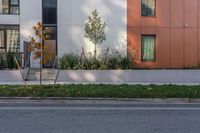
column 97, row 117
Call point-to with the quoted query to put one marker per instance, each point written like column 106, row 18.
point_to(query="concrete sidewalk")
column 132, row 77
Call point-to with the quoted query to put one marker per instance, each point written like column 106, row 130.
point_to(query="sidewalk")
column 132, row 77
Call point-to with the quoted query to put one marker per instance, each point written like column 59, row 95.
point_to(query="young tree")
column 95, row 30
column 41, row 52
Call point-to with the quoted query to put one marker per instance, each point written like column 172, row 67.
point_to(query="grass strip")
column 102, row 91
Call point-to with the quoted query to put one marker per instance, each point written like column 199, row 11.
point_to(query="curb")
column 135, row 100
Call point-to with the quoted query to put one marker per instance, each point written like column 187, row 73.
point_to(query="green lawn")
column 102, row 91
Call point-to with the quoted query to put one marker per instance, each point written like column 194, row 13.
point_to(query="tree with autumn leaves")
column 40, row 52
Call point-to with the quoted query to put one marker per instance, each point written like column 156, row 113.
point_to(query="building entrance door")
column 52, row 44
column 49, row 18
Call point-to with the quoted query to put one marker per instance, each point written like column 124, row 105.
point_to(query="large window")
column 9, row 39
column 148, row 7
column 50, row 11
column 2, row 37
column 148, row 48
column 9, row 7
column 50, row 23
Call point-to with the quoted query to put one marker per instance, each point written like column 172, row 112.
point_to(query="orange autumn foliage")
column 37, row 47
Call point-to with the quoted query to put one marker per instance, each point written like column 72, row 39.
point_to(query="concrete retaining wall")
column 10, row 76
column 132, row 76
column 116, row 77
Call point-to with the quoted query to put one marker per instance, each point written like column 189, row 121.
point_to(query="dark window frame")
column 155, row 48
column 9, row 8
column 4, row 28
column 51, row 25
column 43, row 7
column 150, row 15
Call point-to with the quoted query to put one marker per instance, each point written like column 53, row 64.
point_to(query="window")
column 51, row 32
column 148, row 48
column 9, row 39
column 49, row 8
column 2, row 37
column 49, row 11
column 9, row 7
column 148, row 7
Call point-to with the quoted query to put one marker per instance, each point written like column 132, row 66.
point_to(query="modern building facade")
column 66, row 19
column 163, row 33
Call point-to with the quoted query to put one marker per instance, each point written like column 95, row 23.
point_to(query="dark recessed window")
column 9, row 7
column 148, row 48
column 148, row 7
column 50, row 24
column 2, row 39
column 9, row 39
column 51, row 32
column 50, row 11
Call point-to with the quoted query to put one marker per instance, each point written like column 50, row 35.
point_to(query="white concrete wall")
column 8, row 76
column 30, row 14
column 72, row 15
column 179, row 77
column 9, row 19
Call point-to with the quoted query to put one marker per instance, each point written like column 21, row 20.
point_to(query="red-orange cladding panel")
column 198, row 45
column 191, row 47
column 177, row 13
column 191, row 13
column 177, row 48
column 134, row 44
column 134, row 13
column 199, row 14
column 163, row 13
column 150, row 31
column 148, row 21
column 163, row 47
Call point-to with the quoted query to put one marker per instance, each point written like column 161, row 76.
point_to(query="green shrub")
column 125, row 63
column 73, row 61
column 69, row 61
column 11, row 61
column 2, row 64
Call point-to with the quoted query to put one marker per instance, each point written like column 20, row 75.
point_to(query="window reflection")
column 13, row 40
column 49, row 11
column 9, row 7
column 9, row 39
column 2, row 39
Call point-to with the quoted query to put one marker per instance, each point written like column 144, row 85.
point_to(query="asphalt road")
column 98, row 117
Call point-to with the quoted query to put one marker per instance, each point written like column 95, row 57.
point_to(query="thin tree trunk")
column 40, row 71
column 41, row 57
column 95, row 51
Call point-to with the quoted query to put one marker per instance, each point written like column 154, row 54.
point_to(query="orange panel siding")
column 191, row 12
column 177, row 13
column 148, row 21
column 198, row 46
column 163, row 13
column 177, row 29
column 163, row 47
column 191, row 47
column 148, row 30
column 134, row 13
column 177, row 48
column 134, row 38
column 199, row 14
